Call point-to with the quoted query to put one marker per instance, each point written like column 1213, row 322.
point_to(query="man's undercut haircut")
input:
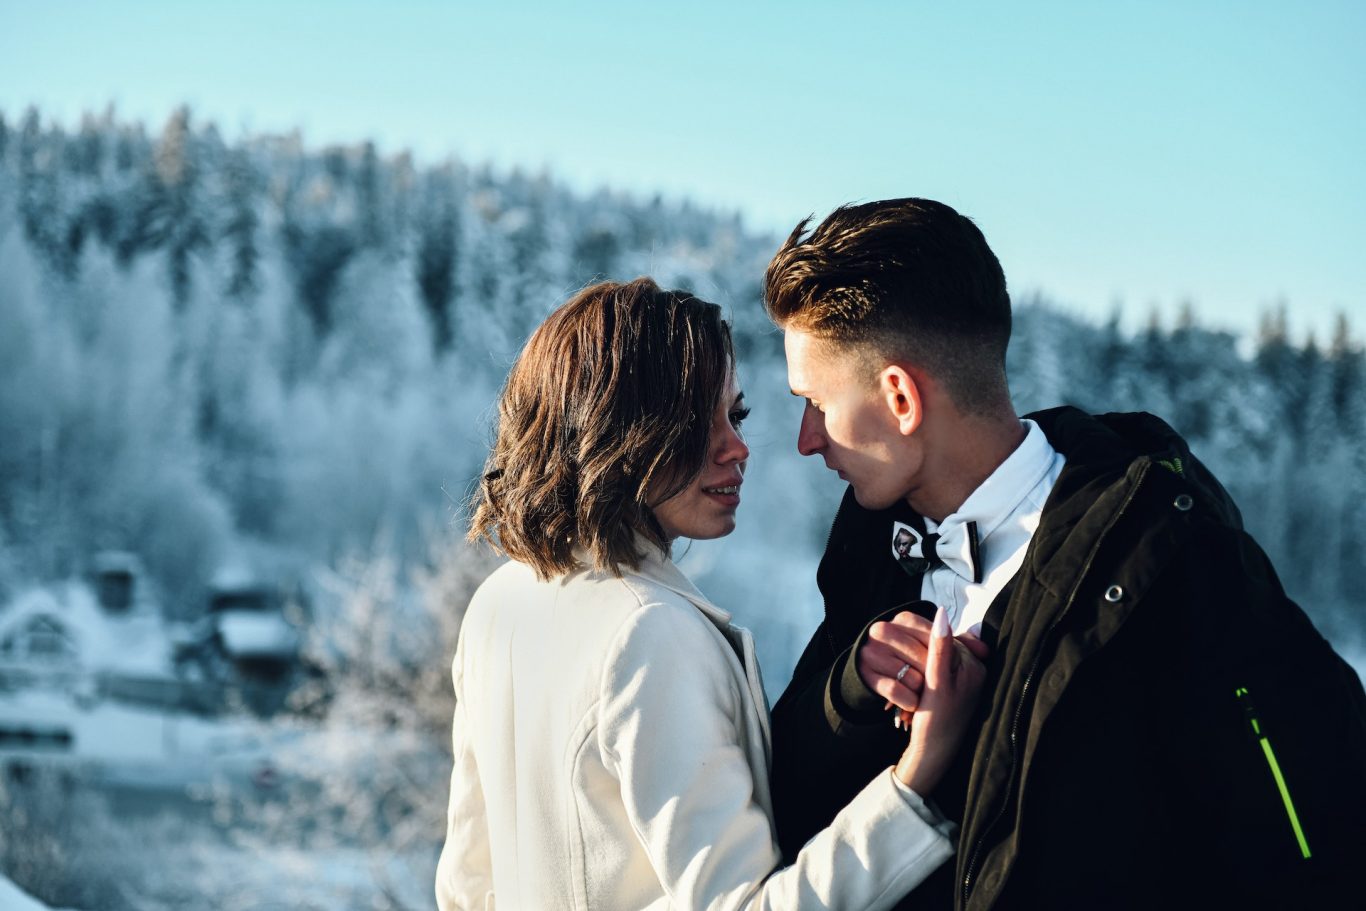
column 610, row 402
column 901, row 278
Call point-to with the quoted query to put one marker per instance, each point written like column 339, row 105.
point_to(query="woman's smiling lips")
column 728, row 493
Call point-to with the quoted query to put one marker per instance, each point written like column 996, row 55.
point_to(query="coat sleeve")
column 670, row 726
column 1284, row 724
column 823, row 752
column 464, row 873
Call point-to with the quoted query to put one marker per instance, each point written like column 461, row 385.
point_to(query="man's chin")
column 870, row 500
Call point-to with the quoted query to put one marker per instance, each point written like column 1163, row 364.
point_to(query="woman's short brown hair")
column 610, row 401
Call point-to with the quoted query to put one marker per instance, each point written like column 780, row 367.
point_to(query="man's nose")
column 810, row 435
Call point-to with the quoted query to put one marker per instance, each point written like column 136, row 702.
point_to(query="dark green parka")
column 1162, row 725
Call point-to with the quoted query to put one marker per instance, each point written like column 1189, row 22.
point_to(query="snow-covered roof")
column 236, row 575
column 257, row 634
column 40, row 639
column 38, row 613
column 116, row 561
column 134, row 643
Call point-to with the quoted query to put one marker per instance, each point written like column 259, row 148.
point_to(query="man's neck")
column 971, row 449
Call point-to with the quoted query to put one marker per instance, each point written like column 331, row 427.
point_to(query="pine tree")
column 436, row 257
column 95, row 210
column 86, row 152
column 39, row 196
column 1348, row 366
column 317, row 256
column 369, row 200
column 1347, row 394
column 241, row 185
column 177, row 175
column 595, row 254
column 163, row 211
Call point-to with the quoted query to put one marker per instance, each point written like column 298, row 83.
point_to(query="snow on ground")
column 139, row 746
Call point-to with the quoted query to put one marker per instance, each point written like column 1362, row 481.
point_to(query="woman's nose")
column 731, row 447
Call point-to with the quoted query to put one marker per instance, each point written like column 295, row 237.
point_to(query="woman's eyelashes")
column 737, row 417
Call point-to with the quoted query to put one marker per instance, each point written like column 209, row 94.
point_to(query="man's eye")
column 738, row 417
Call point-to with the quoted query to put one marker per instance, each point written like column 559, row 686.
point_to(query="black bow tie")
column 955, row 547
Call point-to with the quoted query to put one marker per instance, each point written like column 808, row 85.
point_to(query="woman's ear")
column 901, row 393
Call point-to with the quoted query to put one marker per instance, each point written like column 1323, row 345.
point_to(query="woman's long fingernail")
column 941, row 624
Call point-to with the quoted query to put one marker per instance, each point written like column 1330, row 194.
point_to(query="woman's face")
column 706, row 507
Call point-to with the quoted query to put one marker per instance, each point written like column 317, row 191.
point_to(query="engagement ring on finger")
column 902, row 673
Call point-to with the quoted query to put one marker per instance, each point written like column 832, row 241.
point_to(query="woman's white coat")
column 611, row 752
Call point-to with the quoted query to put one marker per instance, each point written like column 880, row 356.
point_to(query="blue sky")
column 1140, row 153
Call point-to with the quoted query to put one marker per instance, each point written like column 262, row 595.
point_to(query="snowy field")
column 158, row 811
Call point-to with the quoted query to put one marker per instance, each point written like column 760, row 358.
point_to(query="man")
column 1162, row 725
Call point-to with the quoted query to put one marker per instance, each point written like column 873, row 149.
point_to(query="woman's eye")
column 738, row 417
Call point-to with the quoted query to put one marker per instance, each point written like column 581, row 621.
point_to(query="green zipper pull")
column 1246, row 701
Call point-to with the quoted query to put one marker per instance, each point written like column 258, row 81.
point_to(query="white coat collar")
column 660, row 569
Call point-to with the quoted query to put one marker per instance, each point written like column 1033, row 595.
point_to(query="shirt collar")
column 1005, row 488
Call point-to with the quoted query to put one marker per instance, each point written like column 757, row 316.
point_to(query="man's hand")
column 892, row 646
column 901, row 643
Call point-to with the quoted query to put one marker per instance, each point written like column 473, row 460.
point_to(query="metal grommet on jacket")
column 1114, row 593
column 1183, row 502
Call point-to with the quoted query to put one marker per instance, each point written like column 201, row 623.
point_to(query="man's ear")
column 902, row 395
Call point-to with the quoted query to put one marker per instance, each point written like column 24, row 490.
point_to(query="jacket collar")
column 658, row 568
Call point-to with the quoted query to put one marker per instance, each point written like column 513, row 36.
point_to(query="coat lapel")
column 661, row 571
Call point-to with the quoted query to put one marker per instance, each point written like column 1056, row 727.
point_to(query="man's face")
column 847, row 420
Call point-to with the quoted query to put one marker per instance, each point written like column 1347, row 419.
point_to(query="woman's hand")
column 953, row 682
column 892, row 660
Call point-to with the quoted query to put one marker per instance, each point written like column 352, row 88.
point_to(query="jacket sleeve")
column 826, row 743
column 464, row 873
column 670, row 725
column 1285, row 729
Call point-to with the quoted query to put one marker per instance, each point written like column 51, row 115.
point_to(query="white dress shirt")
column 1006, row 507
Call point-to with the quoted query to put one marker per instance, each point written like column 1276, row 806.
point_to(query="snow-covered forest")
column 210, row 348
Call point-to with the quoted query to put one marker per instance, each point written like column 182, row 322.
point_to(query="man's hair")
column 610, row 401
column 902, row 278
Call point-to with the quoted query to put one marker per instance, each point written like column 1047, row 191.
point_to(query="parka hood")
column 1096, row 445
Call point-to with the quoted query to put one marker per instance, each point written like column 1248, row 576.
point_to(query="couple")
column 1053, row 672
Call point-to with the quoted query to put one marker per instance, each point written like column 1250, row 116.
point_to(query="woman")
column 611, row 732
